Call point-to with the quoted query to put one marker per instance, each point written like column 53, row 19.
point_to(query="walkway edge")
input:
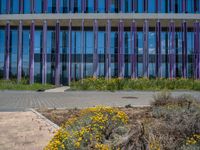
column 47, row 121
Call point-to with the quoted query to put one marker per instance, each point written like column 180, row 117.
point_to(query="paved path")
column 23, row 131
column 13, row 101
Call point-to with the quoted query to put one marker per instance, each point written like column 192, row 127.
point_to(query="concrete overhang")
column 101, row 17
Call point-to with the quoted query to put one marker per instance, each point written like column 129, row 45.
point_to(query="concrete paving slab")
column 23, row 131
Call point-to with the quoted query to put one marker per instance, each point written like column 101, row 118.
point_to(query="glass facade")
column 156, row 49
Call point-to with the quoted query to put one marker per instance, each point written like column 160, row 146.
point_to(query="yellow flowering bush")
column 89, row 130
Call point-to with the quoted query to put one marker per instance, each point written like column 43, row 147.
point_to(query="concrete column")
column 172, row 52
column 95, row 54
column 158, row 50
column 146, row 49
column 8, row 7
column 121, row 65
column 31, row 63
column 44, row 53
column 184, row 49
column 133, row 50
column 108, row 55
column 57, row 67
column 7, row 52
column 70, row 52
column 21, row 6
column 19, row 53
column 82, row 49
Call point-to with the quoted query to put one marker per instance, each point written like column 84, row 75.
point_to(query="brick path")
column 12, row 101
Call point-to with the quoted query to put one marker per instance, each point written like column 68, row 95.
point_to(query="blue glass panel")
column 127, row 6
column 65, row 6
column 3, row 6
column 14, row 6
column 90, row 6
column 152, row 6
column 38, row 6
column 77, row 6
column 114, row 6
column 101, row 6
column 140, row 6
column 101, row 50
column 140, row 53
column 152, row 51
column 163, row 6
column 27, row 7
column 51, row 6
column 190, row 6
column 2, row 51
column 25, row 54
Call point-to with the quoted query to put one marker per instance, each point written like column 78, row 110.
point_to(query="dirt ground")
column 60, row 116
column 23, row 131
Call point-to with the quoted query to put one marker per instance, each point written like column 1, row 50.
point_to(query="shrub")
column 91, row 129
column 135, row 84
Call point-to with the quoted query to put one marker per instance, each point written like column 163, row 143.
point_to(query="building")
column 57, row 41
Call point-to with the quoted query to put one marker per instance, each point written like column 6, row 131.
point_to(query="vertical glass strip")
column 57, row 67
column 44, row 53
column 7, row 52
column 31, row 65
column 146, row 49
column 95, row 53
column 19, row 54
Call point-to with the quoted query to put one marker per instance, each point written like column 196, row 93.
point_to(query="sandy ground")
column 23, row 131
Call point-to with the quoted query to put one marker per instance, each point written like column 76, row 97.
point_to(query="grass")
column 101, row 84
column 23, row 85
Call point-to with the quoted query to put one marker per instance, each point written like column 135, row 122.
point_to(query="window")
column 27, row 7
column 151, row 6
column 90, row 6
column 101, row 6
column 3, row 6
column 2, row 50
column 14, row 6
column 114, row 6
column 38, row 6
column 127, row 6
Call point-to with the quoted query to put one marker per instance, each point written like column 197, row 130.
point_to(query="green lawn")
column 23, row 85
column 101, row 84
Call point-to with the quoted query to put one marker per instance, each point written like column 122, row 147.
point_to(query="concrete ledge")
column 77, row 17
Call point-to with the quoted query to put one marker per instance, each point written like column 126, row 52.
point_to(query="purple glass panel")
column 158, row 50
column 70, row 52
column 21, row 3
column 57, row 6
column 31, row 64
column 172, row 52
column 83, row 6
column 19, row 53
column 184, row 49
column 145, row 49
column 95, row 54
column 7, row 52
column 32, row 6
column 108, row 56
column 8, row 6
column 121, row 65
column 82, row 48
column 44, row 53
column 133, row 50
column 44, row 6
column 57, row 67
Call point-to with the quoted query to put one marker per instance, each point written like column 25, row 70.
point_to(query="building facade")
column 58, row 41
